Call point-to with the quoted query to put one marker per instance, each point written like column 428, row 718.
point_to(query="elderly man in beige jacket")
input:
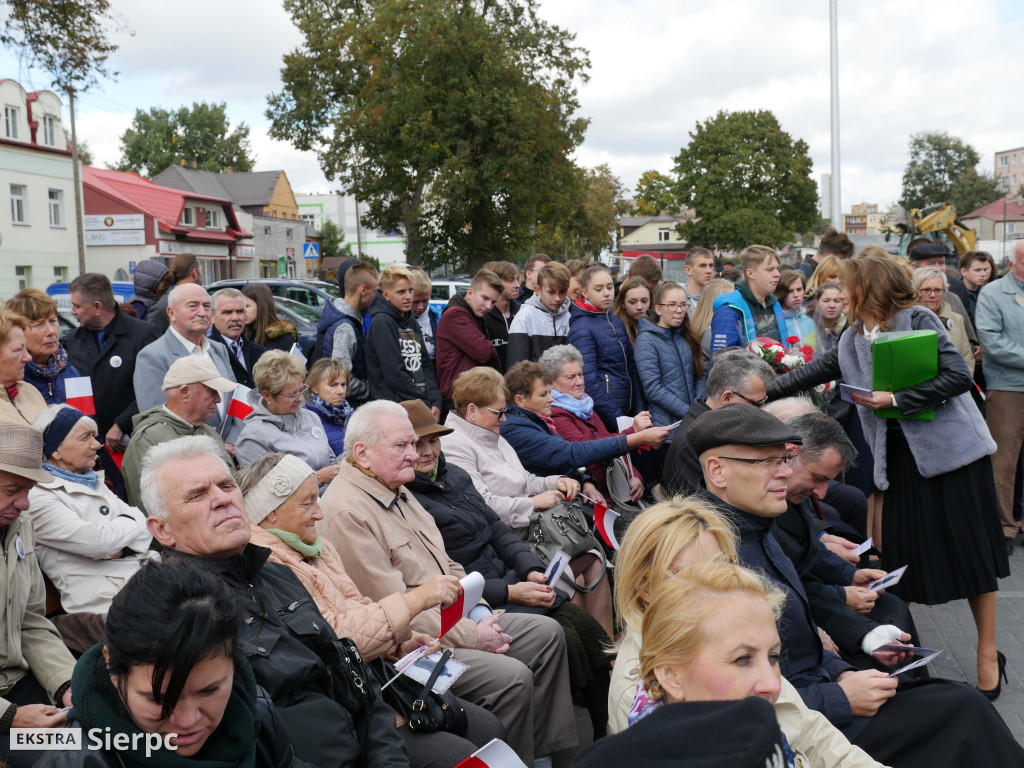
column 389, row 543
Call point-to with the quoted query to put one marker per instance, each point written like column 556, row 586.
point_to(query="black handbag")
column 424, row 710
column 564, row 527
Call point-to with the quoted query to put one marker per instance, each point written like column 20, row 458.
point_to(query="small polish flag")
column 116, row 456
column 494, row 754
column 452, row 615
column 79, row 394
column 604, row 521
column 296, row 351
column 239, row 406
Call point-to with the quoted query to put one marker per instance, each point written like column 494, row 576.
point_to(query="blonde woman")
column 670, row 536
column 700, row 320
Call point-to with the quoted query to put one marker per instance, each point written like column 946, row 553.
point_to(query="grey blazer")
column 153, row 361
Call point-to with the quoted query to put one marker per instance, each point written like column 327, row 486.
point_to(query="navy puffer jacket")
column 667, row 372
column 473, row 535
column 544, row 452
column 608, row 365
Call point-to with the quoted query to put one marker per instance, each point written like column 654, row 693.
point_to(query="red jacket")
column 461, row 343
column 572, row 427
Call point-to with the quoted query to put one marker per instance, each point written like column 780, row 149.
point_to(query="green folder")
column 902, row 359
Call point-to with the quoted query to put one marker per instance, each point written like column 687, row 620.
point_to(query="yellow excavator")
column 934, row 221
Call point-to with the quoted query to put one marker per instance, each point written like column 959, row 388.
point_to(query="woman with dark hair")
column 632, row 303
column 170, row 684
column 184, row 268
column 262, row 325
column 668, row 357
column 939, row 513
column 790, row 292
column 49, row 366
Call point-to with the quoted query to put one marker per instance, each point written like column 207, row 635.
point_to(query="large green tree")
column 942, row 169
column 68, row 39
column 654, row 193
column 160, row 138
column 747, row 180
column 452, row 119
column 587, row 225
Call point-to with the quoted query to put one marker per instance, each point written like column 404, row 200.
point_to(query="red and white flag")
column 494, row 754
column 604, row 522
column 239, row 406
column 79, row 394
column 471, row 589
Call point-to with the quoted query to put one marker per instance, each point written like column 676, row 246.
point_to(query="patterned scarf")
column 89, row 479
column 339, row 414
column 58, row 362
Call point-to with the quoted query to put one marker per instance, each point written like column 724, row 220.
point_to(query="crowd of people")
column 225, row 548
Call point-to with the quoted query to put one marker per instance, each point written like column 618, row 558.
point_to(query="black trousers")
column 25, row 691
column 938, row 722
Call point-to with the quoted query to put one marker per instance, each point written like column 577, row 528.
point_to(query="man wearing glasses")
column 737, row 377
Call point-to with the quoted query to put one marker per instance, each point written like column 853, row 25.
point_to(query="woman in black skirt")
column 940, row 516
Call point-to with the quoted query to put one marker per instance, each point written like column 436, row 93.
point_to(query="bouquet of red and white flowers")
column 783, row 360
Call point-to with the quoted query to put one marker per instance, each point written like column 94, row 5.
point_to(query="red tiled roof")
column 1014, row 210
column 163, row 203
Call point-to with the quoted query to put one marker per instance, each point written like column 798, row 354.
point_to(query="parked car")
column 312, row 293
column 305, row 319
column 123, row 291
column 442, row 290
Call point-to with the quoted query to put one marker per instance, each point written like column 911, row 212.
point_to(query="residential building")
column 1009, row 170
column 863, row 219
column 38, row 237
column 265, row 205
column 656, row 236
column 129, row 219
column 1000, row 221
column 342, row 210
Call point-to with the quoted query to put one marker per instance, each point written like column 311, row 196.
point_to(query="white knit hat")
column 276, row 487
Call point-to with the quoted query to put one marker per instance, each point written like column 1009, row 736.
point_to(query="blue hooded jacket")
column 608, row 365
column 544, row 453
column 667, row 372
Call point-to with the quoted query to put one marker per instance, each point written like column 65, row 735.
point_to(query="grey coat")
column 151, row 366
column 999, row 317
column 301, row 434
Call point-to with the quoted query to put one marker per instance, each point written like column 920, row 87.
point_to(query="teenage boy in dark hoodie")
column 340, row 330
column 543, row 320
column 751, row 310
column 397, row 365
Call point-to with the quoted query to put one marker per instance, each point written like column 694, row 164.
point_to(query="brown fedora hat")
column 21, row 452
column 423, row 420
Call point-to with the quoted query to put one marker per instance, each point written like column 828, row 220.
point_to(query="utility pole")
column 76, row 166
column 836, row 210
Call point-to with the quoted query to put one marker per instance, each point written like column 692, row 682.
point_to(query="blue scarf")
column 582, row 408
column 339, row 414
column 89, row 479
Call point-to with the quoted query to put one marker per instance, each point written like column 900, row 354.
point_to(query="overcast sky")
column 658, row 67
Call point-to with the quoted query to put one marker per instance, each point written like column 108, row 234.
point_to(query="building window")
column 266, row 231
column 60, row 274
column 55, row 200
column 1011, row 228
column 1004, row 161
column 663, row 235
column 19, row 204
column 11, row 115
column 288, row 234
column 1013, row 180
column 49, row 130
column 211, row 220
column 188, row 217
column 23, row 274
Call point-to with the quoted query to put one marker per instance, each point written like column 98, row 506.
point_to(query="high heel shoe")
column 993, row 693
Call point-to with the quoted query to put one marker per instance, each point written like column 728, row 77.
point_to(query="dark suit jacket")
column 251, row 352
column 112, row 368
column 682, row 472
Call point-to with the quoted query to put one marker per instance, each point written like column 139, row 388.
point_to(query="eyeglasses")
column 755, row 403
column 295, row 395
column 932, row 291
column 500, row 414
column 772, row 462
column 675, row 306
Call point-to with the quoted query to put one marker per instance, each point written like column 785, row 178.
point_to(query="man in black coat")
column 197, row 512
column 104, row 348
column 746, row 468
column 229, row 329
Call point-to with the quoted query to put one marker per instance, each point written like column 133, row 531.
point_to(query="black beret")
column 738, row 424
column 694, row 734
column 928, row 251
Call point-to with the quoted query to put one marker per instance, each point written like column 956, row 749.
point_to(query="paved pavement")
column 951, row 628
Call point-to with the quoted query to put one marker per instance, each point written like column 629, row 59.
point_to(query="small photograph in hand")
column 420, row 671
column 557, row 565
